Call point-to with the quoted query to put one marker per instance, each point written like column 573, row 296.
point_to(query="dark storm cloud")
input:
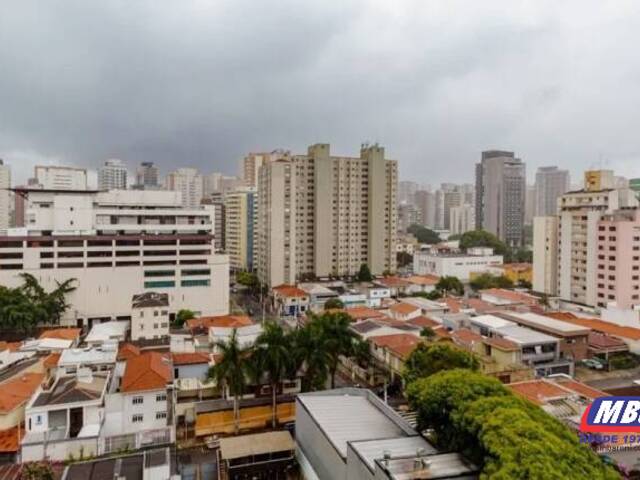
column 203, row 82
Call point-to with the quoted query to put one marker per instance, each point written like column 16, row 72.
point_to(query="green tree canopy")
column 364, row 275
column 486, row 280
column 247, row 279
column 482, row 238
column 182, row 316
column 424, row 234
column 449, row 284
column 404, row 259
column 427, row 360
column 333, row 303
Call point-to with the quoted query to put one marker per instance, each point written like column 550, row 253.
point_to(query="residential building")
column 318, row 295
column 5, row 196
column 53, row 177
column 14, row 396
column 462, row 219
column 116, row 244
column 618, row 266
column 147, row 177
column 245, row 335
column 253, row 161
column 289, row 300
column 187, row 181
column 425, row 202
column 240, row 207
column 460, row 265
column 500, row 195
column 516, row 272
column 320, row 215
column 228, row 183
column 149, row 316
column 350, row 434
column 392, row 351
column 551, row 184
column 634, row 185
column 408, row 215
column 112, row 175
column 422, row 283
column 529, row 204
column 501, row 297
column 406, row 191
column 545, row 255
column 107, row 332
column 215, row 202
column 145, row 465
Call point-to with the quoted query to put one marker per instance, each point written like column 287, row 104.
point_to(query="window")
column 137, row 418
column 161, row 397
column 137, row 400
column 161, row 415
column 160, row 284
column 195, row 283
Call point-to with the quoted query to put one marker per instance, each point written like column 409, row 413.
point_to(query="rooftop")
column 553, row 325
column 598, row 325
column 150, row 299
column 365, row 326
column 510, row 296
column 102, row 332
column 61, row 333
column 190, row 358
column 18, row 391
column 400, row 343
column 362, row 313
column 230, row 321
column 73, row 390
column 148, row 371
column 393, row 282
column 127, row 351
column 9, row 440
column 371, row 450
column 403, row 308
column 351, row 415
column 289, row 291
column 524, row 336
column 544, row 390
column 426, row 280
column 85, row 356
column 441, row 466
column 256, row 444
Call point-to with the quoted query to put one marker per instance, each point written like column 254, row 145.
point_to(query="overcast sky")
column 201, row 83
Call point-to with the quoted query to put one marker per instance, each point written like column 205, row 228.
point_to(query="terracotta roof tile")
column 580, row 388
column 18, row 391
column 149, row 371
column 602, row 340
column 363, row 313
column 501, row 344
column 538, row 391
column 191, row 358
column 62, row 333
column 393, row 282
column 465, row 337
column 9, row 439
column 289, row 291
column 598, row 325
column 229, row 321
column 401, row 343
column 512, row 296
column 51, row 360
column 423, row 321
column 127, row 351
column 403, row 308
column 11, row 346
column 425, row 280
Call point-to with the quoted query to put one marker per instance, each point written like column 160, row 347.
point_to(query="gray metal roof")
column 372, row 450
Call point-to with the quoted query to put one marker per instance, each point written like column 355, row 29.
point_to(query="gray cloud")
column 203, row 82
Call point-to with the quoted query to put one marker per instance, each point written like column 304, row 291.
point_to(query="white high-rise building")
column 462, row 219
column 321, row 215
column 551, row 184
column 147, row 177
column 545, row 255
column 5, row 195
column 211, row 184
column 253, row 161
column 189, row 183
column 53, row 177
column 118, row 244
column 112, row 175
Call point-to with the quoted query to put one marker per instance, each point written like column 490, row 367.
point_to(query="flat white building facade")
column 189, row 182
column 458, row 265
column 52, row 177
column 112, row 175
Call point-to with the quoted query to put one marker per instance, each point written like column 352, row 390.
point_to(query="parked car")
column 593, row 364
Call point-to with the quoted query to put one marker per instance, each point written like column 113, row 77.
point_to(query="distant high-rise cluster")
column 112, row 175
column 5, row 195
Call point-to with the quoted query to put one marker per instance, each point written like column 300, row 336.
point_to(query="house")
column 363, row 313
column 246, row 336
column 96, row 359
column 190, row 365
column 375, row 294
column 574, row 339
column 66, row 418
column 396, row 285
column 503, row 297
column 350, row 434
column 149, row 316
column 107, row 331
column 404, row 311
column 498, row 357
column 71, row 334
column 139, row 405
column 393, row 350
column 46, row 345
column 145, row 465
column 289, row 300
column 201, row 325
column 427, row 307
column 422, row 283
column 516, row 272
column 318, row 295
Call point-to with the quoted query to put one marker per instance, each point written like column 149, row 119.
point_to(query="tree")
column 485, row 281
column 432, row 295
column 272, row 356
column 364, row 275
column 310, row 357
column 337, row 339
column 233, row 370
column 423, row 234
column 450, row 285
column 482, row 238
column 37, row 471
column 182, row 316
column 426, row 360
column 404, row 259
column 247, row 279
column 427, row 332
column 333, row 303
column 524, row 284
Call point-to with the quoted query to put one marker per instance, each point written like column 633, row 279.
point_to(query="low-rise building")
column 96, row 359
column 393, row 350
column 422, row 283
column 246, row 336
column 150, row 316
column 318, row 295
column 516, row 272
column 501, row 297
column 454, row 264
column 396, row 285
column 289, row 300
column 107, row 332
column 404, row 311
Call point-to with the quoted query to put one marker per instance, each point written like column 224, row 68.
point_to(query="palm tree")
column 308, row 354
column 272, row 355
column 232, row 370
column 337, row 339
column 51, row 306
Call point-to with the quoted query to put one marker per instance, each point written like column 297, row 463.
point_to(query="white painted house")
column 150, row 316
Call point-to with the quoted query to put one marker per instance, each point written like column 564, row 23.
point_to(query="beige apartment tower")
column 324, row 216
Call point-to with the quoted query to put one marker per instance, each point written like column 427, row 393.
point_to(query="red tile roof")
column 580, row 388
column 127, row 351
column 51, row 360
column 149, row 371
column 401, row 343
column 465, row 337
column 501, row 344
column 425, row 280
column 393, row 282
column 403, row 308
column 543, row 390
column 289, row 291
column 11, row 346
column 191, row 358
column 62, row 333
column 18, row 391
column 598, row 325
column 229, row 321
column 422, row 321
column 512, row 296
column 9, row 439
column 363, row 313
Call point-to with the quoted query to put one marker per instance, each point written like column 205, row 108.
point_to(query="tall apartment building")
column 462, row 219
column 211, row 184
column 322, row 215
column 117, row 244
column 215, row 201
column 147, row 177
column 576, row 248
column 551, row 184
column 425, row 202
column 408, row 214
column 545, row 255
column 406, row 191
column 189, row 183
column 52, row 177
column 500, row 195
column 253, row 161
column 618, row 265
column 529, row 204
column 112, row 175
column 5, row 195
column 240, row 215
